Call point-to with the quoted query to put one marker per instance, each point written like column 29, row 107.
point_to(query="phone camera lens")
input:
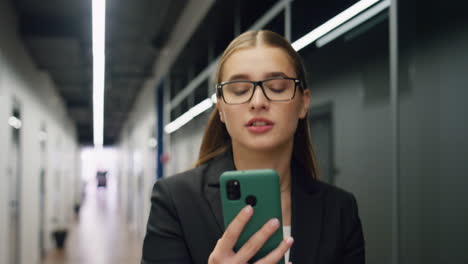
column 233, row 190
column 252, row 200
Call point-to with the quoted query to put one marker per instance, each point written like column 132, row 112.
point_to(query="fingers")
column 278, row 253
column 250, row 248
column 224, row 248
column 232, row 232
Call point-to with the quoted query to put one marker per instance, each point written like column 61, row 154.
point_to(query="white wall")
column 137, row 172
column 185, row 145
column 39, row 103
column 4, row 107
column 135, row 155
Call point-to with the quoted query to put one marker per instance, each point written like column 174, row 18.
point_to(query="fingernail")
column 289, row 240
column 274, row 222
column 248, row 210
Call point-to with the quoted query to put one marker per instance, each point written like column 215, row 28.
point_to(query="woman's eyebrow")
column 275, row 74
column 240, row 76
column 243, row 76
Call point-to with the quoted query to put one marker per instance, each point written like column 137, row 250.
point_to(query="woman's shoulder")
column 207, row 172
column 191, row 178
column 335, row 195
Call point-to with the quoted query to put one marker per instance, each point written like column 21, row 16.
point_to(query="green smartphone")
column 260, row 189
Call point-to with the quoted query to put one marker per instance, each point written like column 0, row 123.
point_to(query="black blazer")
column 186, row 220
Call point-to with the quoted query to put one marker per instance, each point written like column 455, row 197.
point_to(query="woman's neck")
column 278, row 159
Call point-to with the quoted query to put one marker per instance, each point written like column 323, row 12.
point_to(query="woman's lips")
column 259, row 125
column 259, row 129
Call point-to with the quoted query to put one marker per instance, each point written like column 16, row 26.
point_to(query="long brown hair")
column 216, row 139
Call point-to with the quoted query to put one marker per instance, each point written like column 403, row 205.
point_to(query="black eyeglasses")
column 274, row 89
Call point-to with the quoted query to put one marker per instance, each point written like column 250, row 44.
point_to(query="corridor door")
column 14, row 180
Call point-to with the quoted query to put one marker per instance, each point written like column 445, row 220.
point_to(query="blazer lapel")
column 216, row 167
column 307, row 213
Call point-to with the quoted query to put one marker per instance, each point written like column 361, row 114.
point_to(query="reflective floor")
column 100, row 235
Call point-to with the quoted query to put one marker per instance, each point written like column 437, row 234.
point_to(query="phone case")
column 264, row 185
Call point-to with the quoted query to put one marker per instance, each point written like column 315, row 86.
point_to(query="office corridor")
column 129, row 90
column 100, row 235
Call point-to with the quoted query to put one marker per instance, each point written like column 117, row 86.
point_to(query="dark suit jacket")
column 186, row 220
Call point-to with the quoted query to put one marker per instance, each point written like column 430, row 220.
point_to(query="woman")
column 260, row 121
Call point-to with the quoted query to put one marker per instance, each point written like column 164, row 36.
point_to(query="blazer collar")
column 307, row 207
column 218, row 165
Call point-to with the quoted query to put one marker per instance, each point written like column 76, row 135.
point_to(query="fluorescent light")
column 189, row 115
column 201, row 107
column 15, row 122
column 332, row 23
column 99, row 59
column 178, row 123
column 214, row 99
column 354, row 22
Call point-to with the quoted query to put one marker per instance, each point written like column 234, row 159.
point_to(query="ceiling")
column 57, row 35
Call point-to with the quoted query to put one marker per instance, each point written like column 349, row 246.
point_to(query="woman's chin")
column 264, row 146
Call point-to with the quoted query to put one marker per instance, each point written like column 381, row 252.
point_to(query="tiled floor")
column 100, row 236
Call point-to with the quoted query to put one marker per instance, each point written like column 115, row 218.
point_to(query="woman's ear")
column 305, row 103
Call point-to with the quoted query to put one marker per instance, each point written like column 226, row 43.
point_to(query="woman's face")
column 277, row 121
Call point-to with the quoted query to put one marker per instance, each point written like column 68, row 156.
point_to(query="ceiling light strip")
column 99, row 27
column 333, row 23
column 352, row 23
column 189, row 115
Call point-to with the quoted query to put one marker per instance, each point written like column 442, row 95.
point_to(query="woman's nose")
column 259, row 100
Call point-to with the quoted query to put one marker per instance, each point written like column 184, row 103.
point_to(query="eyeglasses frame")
column 219, row 88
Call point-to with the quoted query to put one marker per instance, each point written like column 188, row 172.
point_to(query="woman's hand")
column 224, row 253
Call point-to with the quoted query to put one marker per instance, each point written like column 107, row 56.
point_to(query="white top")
column 286, row 233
